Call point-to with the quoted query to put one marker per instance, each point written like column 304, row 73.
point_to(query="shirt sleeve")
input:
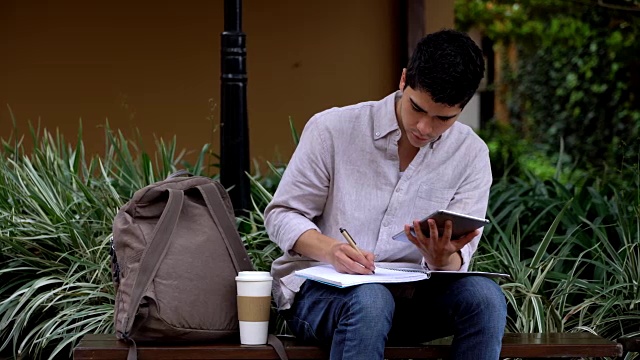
column 302, row 193
column 472, row 198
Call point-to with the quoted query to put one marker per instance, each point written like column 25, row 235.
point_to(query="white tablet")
column 462, row 224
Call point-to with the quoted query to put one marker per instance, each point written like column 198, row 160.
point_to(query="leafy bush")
column 576, row 76
column 515, row 157
column 573, row 252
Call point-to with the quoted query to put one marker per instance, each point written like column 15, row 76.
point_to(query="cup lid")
column 254, row 276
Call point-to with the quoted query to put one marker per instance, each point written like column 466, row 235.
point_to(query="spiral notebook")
column 328, row 275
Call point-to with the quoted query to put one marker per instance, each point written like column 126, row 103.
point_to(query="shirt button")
column 385, row 224
column 398, row 190
column 377, row 134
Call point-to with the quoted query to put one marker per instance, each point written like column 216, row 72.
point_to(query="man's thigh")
column 430, row 310
column 319, row 308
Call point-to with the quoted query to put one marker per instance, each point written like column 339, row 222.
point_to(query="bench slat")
column 106, row 347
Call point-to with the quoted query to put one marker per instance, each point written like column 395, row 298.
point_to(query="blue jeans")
column 357, row 322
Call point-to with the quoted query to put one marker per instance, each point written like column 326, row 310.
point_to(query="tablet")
column 462, row 224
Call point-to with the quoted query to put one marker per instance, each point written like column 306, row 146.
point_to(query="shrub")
column 576, row 77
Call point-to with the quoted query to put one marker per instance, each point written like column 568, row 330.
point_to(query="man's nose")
column 425, row 125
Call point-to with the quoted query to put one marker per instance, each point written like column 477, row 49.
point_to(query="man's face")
column 421, row 119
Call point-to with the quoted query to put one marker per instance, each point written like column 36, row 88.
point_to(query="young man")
column 371, row 168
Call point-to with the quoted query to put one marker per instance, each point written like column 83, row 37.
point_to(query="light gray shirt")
column 345, row 173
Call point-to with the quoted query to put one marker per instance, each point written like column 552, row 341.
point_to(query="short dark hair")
column 448, row 65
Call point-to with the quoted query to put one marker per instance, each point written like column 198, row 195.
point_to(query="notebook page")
column 328, row 275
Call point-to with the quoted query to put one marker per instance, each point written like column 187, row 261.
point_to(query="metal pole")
column 234, row 134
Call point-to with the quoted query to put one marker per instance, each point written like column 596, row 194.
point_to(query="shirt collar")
column 385, row 117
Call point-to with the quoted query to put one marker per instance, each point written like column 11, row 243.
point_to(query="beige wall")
column 155, row 65
column 438, row 14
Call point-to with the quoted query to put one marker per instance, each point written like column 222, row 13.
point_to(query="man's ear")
column 403, row 80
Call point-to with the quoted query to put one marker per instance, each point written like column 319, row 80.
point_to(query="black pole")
column 234, row 133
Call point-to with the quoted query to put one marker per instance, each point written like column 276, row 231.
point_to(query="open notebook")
column 328, row 275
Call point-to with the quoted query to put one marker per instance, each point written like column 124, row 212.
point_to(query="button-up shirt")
column 345, row 173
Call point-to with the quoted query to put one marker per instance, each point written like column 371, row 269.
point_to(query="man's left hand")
column 439, row 252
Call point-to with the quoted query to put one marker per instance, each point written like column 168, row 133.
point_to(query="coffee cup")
column 254, row 306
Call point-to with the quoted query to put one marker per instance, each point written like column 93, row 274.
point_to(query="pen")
column 351, row 242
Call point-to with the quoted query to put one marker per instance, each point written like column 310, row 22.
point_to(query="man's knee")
column 372, row 297
column 481, row 295
column 372, row 303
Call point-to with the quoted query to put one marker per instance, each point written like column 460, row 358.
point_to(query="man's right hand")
column 348, row 260
column 340, row 255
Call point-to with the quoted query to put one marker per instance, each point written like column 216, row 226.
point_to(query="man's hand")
column 439, row 252
column 346, row 259
column 341, row 255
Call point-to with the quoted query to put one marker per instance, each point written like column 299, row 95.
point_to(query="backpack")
column 176, row 253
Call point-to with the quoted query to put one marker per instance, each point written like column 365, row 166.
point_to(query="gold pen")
column 351, row 242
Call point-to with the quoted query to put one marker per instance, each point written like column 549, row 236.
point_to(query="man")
column 371, row 168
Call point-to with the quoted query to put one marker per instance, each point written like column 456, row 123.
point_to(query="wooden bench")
column 552, row 345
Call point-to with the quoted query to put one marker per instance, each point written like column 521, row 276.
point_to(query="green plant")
column 572, row 250
column 574, row 78
column 53, row 238
column 515, row 157
column 56, row 208
column 260, row 248
column 251, row 226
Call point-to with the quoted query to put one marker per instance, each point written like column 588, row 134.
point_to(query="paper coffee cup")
column 254, row 306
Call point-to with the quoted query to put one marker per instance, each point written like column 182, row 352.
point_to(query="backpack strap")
column 278, row 346
column 211, row 194
column 179, row 173
column 153, row 254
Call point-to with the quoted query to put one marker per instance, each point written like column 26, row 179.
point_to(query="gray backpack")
column 176, row 255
